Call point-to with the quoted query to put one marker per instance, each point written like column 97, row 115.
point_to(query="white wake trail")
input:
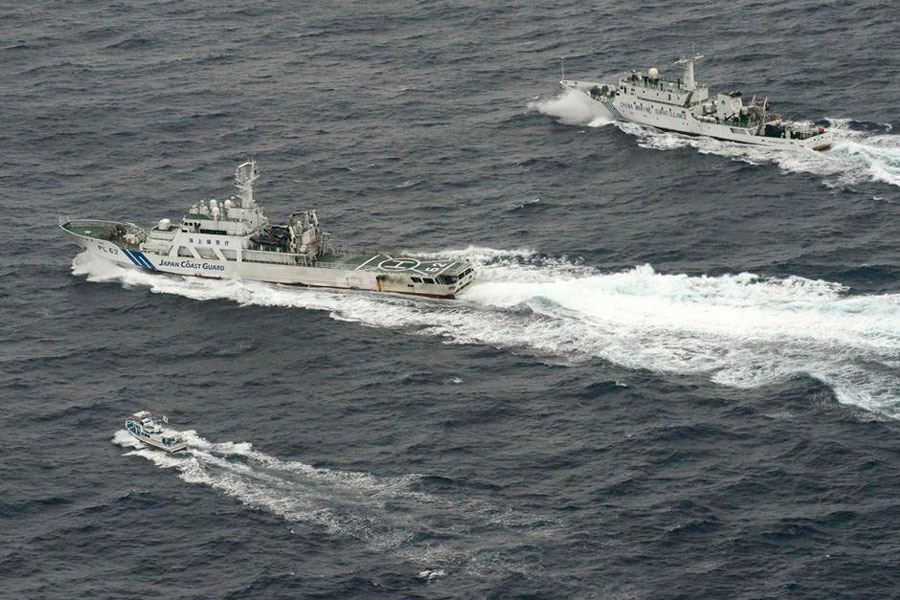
column 387, row 514
column 741, row 330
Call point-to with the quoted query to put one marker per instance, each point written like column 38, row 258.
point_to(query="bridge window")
column 427, row 280
column 417, row 279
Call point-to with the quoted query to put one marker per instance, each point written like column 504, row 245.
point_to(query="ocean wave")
column 741, row 330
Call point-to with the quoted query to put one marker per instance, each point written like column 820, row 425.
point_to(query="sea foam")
column 375, row 510
column 740, row 330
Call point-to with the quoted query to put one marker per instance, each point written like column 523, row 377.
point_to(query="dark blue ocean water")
column 678, row 376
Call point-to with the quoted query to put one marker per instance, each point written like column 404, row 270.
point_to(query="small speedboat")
column 142, row 426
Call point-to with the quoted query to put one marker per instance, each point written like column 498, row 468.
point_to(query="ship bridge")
column 652, row 87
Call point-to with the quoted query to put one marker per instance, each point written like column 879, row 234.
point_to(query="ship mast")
column 688, row 61
column 244, row 176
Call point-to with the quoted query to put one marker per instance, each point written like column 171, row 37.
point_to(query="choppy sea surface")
column 678, row 375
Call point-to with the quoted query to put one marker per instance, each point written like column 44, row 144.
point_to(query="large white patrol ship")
column 685, row 106
column 233, row 239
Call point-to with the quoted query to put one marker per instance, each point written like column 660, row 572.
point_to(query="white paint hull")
column 629, row 108
column 288, row 274
column 151, row 442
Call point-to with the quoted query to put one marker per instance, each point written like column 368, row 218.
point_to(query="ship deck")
column 110, row 231
column 92, row 230
column 386, row 263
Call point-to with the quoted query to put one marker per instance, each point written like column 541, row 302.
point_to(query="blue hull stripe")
column 130, row 257
column 139, row 259
column 143, row 260
column 615, row 112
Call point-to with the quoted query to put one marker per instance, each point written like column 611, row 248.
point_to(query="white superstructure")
column 234, row 238
column 143, row 427
column 685, row 106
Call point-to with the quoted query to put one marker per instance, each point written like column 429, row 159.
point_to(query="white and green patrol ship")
column 234, row 239
column 684, row 106
column 143, row 427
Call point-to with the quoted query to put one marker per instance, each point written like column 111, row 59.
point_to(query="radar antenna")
column 244, row 176
column 688, row 62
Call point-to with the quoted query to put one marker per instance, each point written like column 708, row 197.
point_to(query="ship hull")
column 677, row 119
column 285, row 274
column 172, row 449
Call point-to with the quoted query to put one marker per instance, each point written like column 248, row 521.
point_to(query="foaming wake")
column 877, row 157
column 856, row 157
column 388, row 514
column 741, row 330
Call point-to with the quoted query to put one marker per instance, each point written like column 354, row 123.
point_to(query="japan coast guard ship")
column 234, row 239
column 685, row 106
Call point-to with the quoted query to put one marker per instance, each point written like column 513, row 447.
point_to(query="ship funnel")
column 244, row 176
